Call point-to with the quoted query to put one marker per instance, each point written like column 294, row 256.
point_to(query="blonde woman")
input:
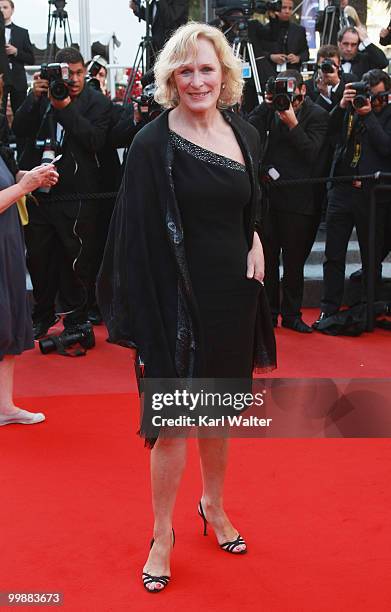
column 182, row 275
column 15, row 320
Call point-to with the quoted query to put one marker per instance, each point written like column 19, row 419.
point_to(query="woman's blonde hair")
column 181, row 46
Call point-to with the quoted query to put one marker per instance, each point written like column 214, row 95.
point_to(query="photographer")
column 355, row 61
column 291, row 48
column 73, row 120
column 362, row 124
column 165, row 15
column 328, row 83
column 237, row 25
column 331, row 20
column 293, row 144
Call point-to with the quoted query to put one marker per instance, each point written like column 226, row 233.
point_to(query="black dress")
column 212, row 192
column 15, row 321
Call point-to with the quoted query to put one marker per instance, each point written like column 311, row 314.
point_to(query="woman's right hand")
column 41, row 176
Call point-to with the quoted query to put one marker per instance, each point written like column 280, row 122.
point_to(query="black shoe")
column 95, row 317
column 322, row 316
column 297, row 324
column 163, row 580
column 41, row 328
column 229, row 546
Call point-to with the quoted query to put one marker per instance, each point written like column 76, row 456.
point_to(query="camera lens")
column 59, row 90
column 47, row 345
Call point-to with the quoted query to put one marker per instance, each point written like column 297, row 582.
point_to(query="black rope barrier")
column 376, row 176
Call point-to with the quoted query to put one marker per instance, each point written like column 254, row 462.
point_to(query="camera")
column 327, row 66
column 58, row 77
column 93, row 68
column 147, row 105
column 282, row 90
column 83, row 335
column 247, row 7
column 363, row 94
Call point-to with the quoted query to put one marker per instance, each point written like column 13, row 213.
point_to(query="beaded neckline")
column 181, row 143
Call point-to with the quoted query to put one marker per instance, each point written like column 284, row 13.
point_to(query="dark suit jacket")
column 374, row 132
column 296, row 43
column 85, row 122
column 21, row 40
column 296, row 153
column 169, row 15
column 336, row 95
column 372, row 57
column 4, row 63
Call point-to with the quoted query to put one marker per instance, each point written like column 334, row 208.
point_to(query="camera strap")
column 60, row 350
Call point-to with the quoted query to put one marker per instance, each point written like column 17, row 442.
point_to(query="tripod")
column 145, row 53
column 57, row 18
column 243, row 48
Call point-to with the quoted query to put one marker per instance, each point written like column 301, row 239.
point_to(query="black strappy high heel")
column 227, row 546
column 163, row 580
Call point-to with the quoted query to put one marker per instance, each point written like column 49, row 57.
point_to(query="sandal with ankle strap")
column 227, row 546
column 163, row 580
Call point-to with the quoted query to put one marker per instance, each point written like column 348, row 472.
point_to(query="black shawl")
column 144, row 290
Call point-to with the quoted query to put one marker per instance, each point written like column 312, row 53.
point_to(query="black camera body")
column 58, row 77
column 247, row 7
column 363, row 94
column 282, row 90
column 147, row 105
column 93, row 68
column 83, row 335
column 327, row 66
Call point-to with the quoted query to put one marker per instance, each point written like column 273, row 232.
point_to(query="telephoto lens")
column 82, row 334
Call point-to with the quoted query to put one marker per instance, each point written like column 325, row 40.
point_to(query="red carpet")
column 75, row 505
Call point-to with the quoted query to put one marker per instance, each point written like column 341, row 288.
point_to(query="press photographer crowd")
column 327, row 118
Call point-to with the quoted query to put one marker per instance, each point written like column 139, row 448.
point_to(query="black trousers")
column 17, row 98
column 347, row 207
column 292, row 235
column 62, row 257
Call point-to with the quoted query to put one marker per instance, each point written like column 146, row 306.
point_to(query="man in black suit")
column 19, row 51
column 293, row 143
column 327, row 86
column 355, row 61
column 291, row 48
column 165, row 15
column 364, row 147
column 61, row 236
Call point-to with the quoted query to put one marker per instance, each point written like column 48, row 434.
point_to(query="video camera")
column 58, row 77
column 282, row 90
column 148, row 107
column 247, row 7
column 93, row 68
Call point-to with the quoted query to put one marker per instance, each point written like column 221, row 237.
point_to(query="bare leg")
column 213, row 455
column 9, row 413
column 7, row 384
column 168, row 458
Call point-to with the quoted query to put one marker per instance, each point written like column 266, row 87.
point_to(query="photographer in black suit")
column 293, row 143
column 291, row 48
column 363, row 129
column 19, row 51
column 355, row 61
column 61, row 237
column 328, row 83
column 165, row 15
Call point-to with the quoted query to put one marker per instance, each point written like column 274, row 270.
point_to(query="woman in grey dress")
column 15, row 320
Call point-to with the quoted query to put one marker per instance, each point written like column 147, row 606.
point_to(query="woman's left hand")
column 256, row 260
